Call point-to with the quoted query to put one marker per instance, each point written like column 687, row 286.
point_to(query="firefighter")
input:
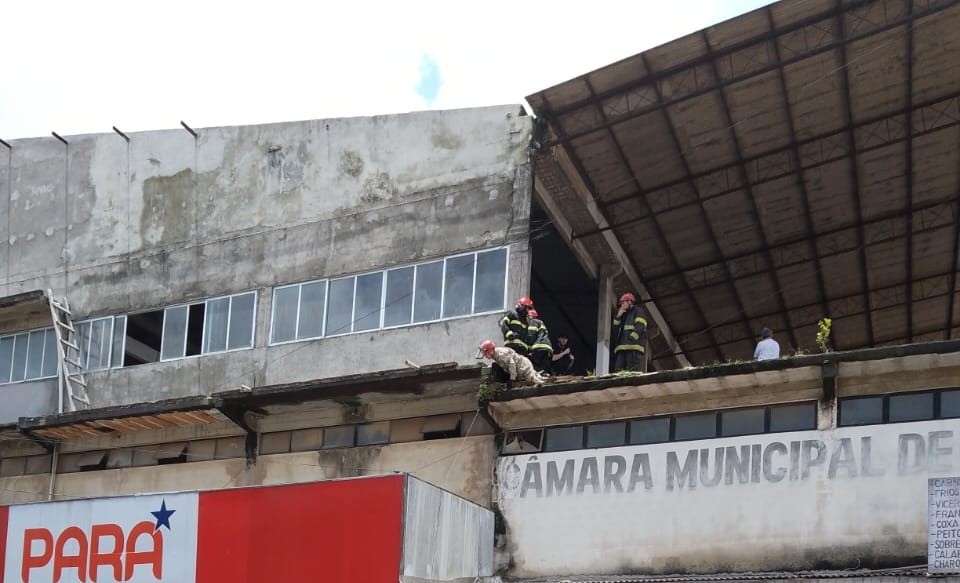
column 538, row 337
column 508, row 366
column 630, row 336
column 514, row 326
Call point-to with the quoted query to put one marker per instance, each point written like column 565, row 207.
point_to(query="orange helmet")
column 628, row 297
column 486, row 348
column 525, row 302
column 533, row 313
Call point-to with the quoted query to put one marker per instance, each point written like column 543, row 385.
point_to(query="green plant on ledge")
column 488, row 391
column 823, row 334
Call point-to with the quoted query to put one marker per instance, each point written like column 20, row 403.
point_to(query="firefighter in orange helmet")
column 629, row 335
column 508, row 366
column 514, row 326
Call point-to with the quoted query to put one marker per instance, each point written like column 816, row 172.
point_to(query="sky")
column 82, row 67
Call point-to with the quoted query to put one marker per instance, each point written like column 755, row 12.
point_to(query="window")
column 101, row 342
column 458, row 285
column 28, row 356
column 606, row 434
column 427, row 292
column 338, row 436
column 462, row 285
column 861, row 411
column 798, row 417
column 699, row 426
column 741, row 422
column 900, row 407
column 563, row 438
column 228, row 323
column 644, row 431
column 949, row 403
column 373, row 433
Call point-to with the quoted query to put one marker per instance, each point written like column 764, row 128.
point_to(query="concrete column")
column 604, row 318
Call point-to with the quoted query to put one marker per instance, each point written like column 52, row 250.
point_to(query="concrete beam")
column 580, row 187
column 604, row 320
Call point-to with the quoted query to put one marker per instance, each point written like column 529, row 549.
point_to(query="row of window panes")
column 726, row 423
column 28, row 356
column 101, row 342
column 900, row 408
column 467, row 284
column 227, row 324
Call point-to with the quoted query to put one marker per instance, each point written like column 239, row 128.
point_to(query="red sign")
column 343, row 530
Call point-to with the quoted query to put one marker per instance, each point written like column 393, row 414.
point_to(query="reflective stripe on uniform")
column 541, row 347
column 533, row 328
column 616, row 321
column 517, row 342
column 629, row 327
column 622, row 347
column 640, row 320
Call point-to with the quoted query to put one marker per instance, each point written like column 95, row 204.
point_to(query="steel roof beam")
column 847, row 112
column 754, row 209
column 583, row 187
column 909, row 168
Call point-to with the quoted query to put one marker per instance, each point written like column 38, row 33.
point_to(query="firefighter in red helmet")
column 514, row 326
column 508, row 365
column 629, row 335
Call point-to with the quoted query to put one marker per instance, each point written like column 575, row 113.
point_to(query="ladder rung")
column 83, row 400
column 60, row 307
column 69, row 344
column 73, row 362
column 80, row 382
column 65, row 325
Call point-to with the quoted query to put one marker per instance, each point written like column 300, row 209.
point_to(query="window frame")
column 885, row 406
column 43, row 355
column 384, row 272
column 226, row 339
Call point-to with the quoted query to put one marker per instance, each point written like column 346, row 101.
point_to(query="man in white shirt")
column 767, row 348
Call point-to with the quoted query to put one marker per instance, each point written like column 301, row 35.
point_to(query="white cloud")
column 79, row 67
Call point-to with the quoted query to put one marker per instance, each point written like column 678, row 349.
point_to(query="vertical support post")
column 604, row 318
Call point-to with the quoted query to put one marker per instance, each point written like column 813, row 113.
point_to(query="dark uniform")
column 541, row 351
column 630, row 333
column 514, row 328
column 562, row 358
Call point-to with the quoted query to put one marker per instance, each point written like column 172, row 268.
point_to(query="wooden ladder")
column 73, row 386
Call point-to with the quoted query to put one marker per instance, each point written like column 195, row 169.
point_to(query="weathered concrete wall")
column 853, row 497
column 27, row 399
column 460, row 465
column 122, row 227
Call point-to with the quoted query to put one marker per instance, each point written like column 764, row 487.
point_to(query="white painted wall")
column 849, row 497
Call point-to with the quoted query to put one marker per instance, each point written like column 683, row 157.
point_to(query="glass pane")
column 369, row 295
column 6, row 358
column 399, row 302
column 649, row 431
column 174, row 341
column 607, row 434
column 458, row 286
column 35, row 354
column 284, row 325
column 949, row 400
column 98, row 345
column 119, row 332
column 561, row 438
column 916, row 407
column 340, row 306
column 426, row 305
column 373, row 433
column 82, row 337
column 338, row 436
column 19, row 357
column 312, row 297
column 215, row 325
column 800, row 417
column 241, row 321
column 697, row 426
column 742, row 422
column 50, row 356
column 491, row 279
column 861, row 411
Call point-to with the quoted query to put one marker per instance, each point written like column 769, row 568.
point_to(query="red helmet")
column 533, row 313
column 525, row 302
column 487, row 347
column 628, row 297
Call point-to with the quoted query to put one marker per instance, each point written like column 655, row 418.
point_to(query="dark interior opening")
column 144, row 333
column 564, row 295
column 195, row 329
